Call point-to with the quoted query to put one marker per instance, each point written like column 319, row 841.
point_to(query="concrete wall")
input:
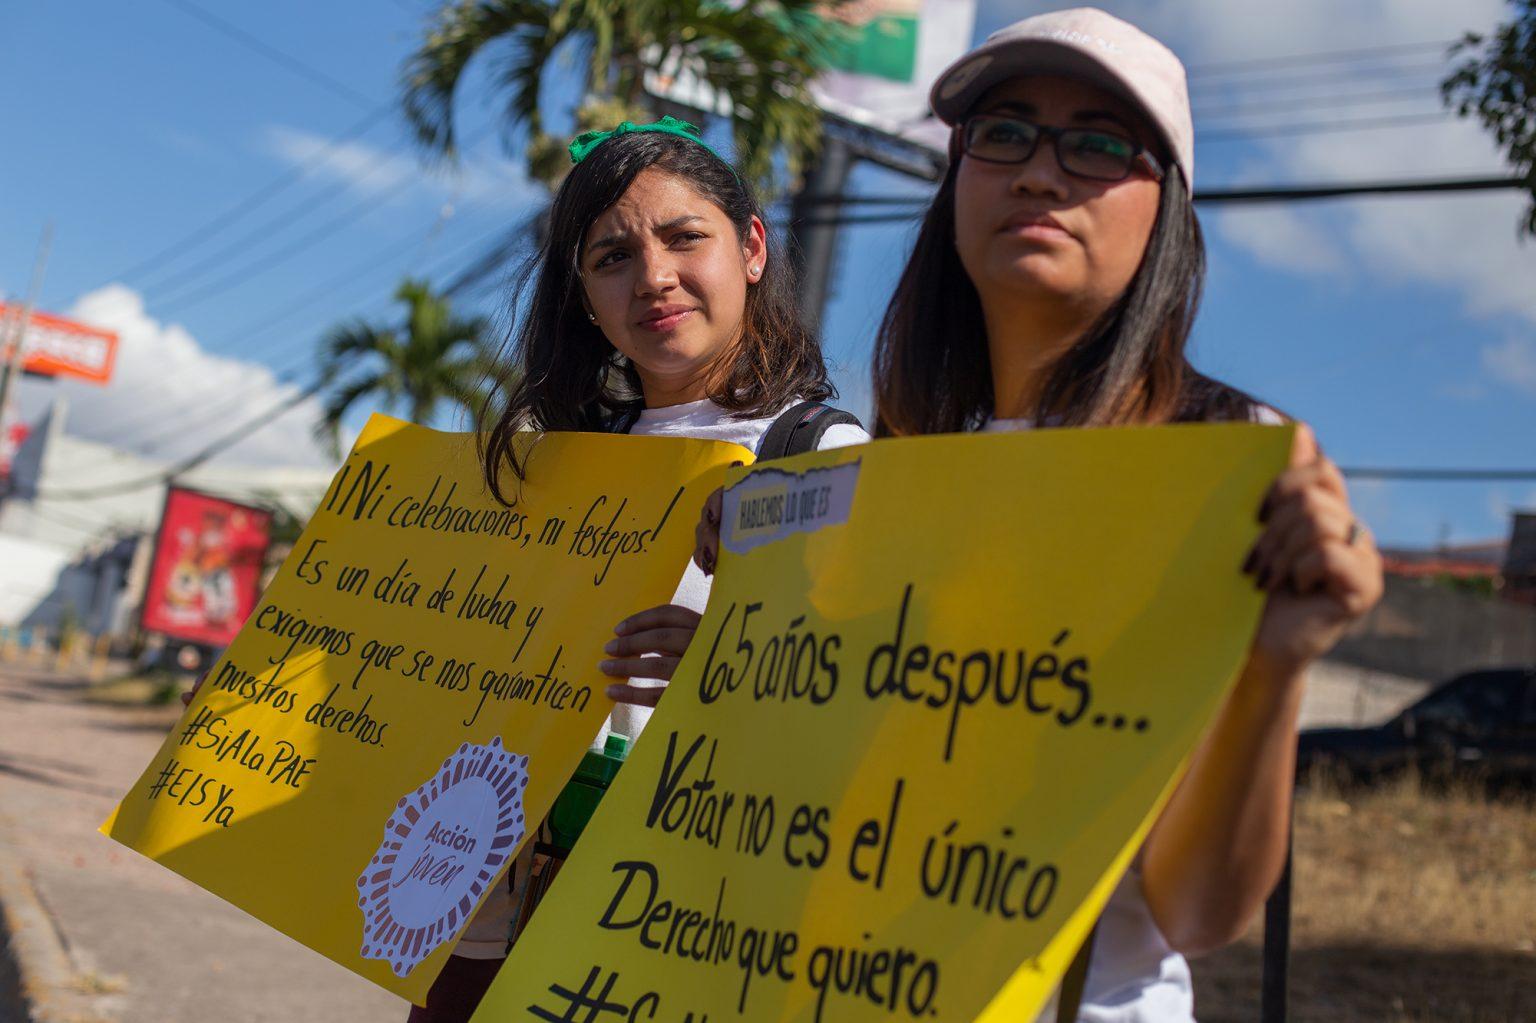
column 29, row 576
column 1429, row 632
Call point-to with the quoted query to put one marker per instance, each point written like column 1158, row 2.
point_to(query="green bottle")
column 567, row 818
column 578, row 801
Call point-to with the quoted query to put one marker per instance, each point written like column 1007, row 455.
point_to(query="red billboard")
column 206, row 573
column 54, row 346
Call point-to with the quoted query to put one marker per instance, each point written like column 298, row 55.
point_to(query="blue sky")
column 1403, row 329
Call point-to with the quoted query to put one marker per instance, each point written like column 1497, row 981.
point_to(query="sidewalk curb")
column 38, row 978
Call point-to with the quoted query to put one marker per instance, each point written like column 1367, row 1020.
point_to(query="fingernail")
column 606, row 667
column 614, row 691
column 611, row 647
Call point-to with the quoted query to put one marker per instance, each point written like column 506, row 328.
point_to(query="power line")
column 272, row 53
column 1304, row 192
column 265, row 230
column 228, row 439
column 1321, row 76
column 1327, row 100
column 262, row 195
column 1443, row 475
column 1238, row 134
column 262, row 264
column 1297, row 193
column 95, row 527
column 254, row 201
column 1260, row 64
column 184, row 423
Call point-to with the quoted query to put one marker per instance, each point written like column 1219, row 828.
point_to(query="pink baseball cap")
column 1087, row 44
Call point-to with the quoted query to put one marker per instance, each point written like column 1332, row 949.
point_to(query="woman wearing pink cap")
column 1054, row 282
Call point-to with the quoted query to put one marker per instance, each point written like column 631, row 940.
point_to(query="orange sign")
column 54, row 346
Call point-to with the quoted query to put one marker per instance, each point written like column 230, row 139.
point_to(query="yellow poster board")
column 941, row 688
column 418, row 682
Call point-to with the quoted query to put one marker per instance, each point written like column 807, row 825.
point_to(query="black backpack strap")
column 799, row 429
column 625, row 421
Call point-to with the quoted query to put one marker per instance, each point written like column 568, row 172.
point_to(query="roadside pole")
column 18, row 334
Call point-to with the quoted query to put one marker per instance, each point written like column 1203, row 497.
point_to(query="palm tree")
column 761, row 54
column 437, row 357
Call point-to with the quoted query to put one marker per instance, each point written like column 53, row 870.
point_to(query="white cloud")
column 1281, row 238
column 1513, row 362
column 1502, row 504
column 368, row 170
column 168, row 397
column 1207, row 31
column 358, row 164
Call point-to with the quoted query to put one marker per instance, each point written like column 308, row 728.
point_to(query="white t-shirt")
column 704, row 420
column 486, row 935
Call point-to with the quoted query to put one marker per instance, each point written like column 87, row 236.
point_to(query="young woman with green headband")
column 656, row 306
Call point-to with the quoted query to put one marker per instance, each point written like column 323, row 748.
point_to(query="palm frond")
column 327, row 429
column 763, row 54
column 458, row 33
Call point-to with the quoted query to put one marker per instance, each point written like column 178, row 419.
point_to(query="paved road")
column 163, row 950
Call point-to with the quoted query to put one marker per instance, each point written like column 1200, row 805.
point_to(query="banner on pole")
column 206, row 571
column 56, row 346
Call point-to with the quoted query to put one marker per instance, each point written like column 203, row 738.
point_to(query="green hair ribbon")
column 582, row 145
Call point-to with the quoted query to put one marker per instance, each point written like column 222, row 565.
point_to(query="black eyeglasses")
column 1084, row 152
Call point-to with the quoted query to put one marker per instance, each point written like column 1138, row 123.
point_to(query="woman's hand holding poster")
column 941, row 690
column 416, row 685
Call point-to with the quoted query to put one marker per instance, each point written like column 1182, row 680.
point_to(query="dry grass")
column 151, row 689
column 1409, row 905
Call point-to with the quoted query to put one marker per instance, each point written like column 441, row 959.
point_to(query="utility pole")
column 817, row 207
column 18, row 334
column 813, row 242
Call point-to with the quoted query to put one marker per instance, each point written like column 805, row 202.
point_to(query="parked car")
column 1479, row 726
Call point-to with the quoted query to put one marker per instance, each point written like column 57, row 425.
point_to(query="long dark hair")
column 933, row 374
column 559, row 372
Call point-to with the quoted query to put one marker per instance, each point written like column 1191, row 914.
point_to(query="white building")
column 77, row 526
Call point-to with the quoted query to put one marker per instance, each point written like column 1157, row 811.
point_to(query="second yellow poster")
column 941, row 687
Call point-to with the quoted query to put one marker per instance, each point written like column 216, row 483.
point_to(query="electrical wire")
column 1429, row 475
column 1243, row 108
column 1246, row 134
column 262, row 264
column 260, row 197
column 182, row 423
column 272, row 53
column 1264, row 64
column 1298, row 193
column 262, row 232
column 1323, row 76
column 233, row 436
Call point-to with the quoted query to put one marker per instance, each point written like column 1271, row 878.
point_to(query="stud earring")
column 592, row 317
